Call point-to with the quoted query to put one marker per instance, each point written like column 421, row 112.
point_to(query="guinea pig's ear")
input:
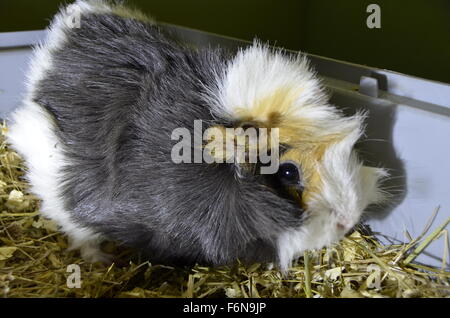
column 245, row 145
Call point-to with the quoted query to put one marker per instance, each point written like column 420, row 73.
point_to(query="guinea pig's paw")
column 89, row 245
column 270, row 266
column 92, row 253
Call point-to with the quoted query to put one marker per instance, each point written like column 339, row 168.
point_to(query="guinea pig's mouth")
column 342, row 227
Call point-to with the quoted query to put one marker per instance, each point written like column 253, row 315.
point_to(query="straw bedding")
column 34, row 262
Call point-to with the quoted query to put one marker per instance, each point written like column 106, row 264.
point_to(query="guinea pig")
column 105, row 92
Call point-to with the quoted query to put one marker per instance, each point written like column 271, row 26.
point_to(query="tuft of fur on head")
column 256, row 73
column 275, row 90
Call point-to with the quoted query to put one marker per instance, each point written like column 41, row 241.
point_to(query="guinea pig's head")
column 318, row 168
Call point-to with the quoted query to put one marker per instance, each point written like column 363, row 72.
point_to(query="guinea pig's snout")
column 343, row 224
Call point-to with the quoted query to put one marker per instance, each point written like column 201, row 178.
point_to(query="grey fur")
column 117, row 89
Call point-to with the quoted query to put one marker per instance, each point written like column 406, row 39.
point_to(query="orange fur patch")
column 306, row 138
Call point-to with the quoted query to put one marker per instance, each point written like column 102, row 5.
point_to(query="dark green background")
column 414, row 37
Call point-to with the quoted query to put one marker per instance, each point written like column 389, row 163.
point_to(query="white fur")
column 348, row 188
column 32, row 135
column 256, row 72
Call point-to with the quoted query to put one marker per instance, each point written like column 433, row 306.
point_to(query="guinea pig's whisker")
column 392, row 187
column 376, row 140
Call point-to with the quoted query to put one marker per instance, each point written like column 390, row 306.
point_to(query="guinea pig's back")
column 99, row 97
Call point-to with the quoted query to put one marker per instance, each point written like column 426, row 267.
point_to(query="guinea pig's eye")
column 288, row 173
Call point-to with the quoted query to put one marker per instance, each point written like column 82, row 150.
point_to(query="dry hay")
column 34, row 260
